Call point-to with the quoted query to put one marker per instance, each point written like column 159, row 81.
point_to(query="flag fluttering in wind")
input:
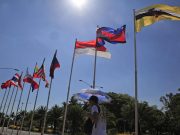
column 29, row 79
column 54, row 64
column 16, row 81
column 155, row 13
column 36, row 69
column 89, row 47
column 111, row 35
column 19, row 82
column 6, row 84
column 40, row 73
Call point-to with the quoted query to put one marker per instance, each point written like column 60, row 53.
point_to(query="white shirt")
column 94, row 108
column 100, row 128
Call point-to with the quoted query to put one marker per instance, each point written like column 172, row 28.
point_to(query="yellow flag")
column 155, row 13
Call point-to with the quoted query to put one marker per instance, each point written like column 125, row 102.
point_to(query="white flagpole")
column 7, row 96
column 95, row 61
column 3, row 99
column 94, row 77
column 13, row 105
column 12, row 109
column 69, row 87
column 45, row 115
column 7, row 110
column 37, row 93
column 22, row 122
column 18, row 105
column 136, row 81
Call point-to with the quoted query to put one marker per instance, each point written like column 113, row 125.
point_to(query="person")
column 99, row 123
column 88, row 125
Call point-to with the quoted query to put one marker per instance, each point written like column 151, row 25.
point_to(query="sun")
column 79, row 3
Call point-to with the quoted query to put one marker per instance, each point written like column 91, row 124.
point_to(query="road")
column 8, row 132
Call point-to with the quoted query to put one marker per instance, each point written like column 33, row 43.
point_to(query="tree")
column 75, row 117
column 39, row 116
column 115, row 107
column 171, row 104
column 54, row 115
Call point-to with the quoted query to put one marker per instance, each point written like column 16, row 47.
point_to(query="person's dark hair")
column 94, row 99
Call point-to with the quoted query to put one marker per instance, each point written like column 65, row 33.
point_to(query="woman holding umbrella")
column 99, row 125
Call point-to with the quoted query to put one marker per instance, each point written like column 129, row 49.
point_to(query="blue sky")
column 31, row 30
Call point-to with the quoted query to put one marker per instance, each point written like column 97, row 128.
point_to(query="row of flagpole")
column 37, row 93
column 17, row 110
column 6, row 98
column 4, row 120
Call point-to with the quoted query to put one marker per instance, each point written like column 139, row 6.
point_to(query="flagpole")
column 5, row 104
column 37, row 93
column 45, row 115
column 136, row 81
column 13, row 105
column 12, row 108
column 2, row 130
column 95, row 61
column 69, row 87
column 3, row 99
column 22, row 122
column 94, row 77
column 18, row 105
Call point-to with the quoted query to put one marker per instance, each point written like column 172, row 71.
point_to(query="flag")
column 35, row 75
column 89, row 47
column 16, row 81
column 29, row 79
column 155, row 13
column 111, row 35
column 19, row 82
column 40, row 73
column 100, row 42
column 54, row 64
column 6, row 84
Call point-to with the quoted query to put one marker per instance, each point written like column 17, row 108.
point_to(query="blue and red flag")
column 100, row 42
column 111, row 35
column 54, row 64
column 29, row 79
column 16, row 81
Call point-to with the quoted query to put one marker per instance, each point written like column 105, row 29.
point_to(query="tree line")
column 119, row 114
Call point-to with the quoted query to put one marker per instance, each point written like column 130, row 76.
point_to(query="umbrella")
column 85, row 94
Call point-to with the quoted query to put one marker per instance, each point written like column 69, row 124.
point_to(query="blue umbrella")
column 85, row 94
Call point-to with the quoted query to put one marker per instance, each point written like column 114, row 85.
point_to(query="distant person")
column 99, row 123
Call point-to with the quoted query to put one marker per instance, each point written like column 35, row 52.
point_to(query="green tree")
column 75, row 117
column 171, row 104
column 39, row 116
column 54, row 115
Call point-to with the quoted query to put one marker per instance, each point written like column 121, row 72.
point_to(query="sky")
column 31, row 30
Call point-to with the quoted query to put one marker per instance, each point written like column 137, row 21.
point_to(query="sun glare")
column 79, row 3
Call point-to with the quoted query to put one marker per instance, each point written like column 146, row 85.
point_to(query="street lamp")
column 11, row 68
column 90, row 85
column 86, row 83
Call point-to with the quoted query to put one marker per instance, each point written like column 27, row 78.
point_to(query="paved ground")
column 9, row 131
